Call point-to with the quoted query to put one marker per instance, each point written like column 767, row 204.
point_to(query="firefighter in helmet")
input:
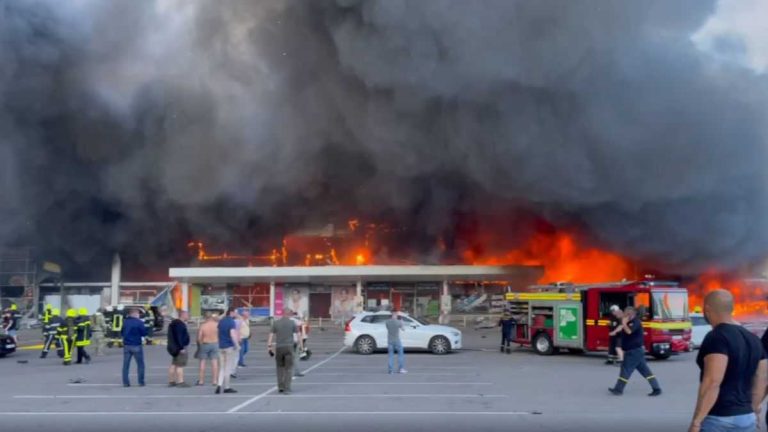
column 51, row 331
column 47, row 312
column 67, row 334
column 83, row 335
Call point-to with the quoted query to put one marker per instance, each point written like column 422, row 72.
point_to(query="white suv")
column 367, row 333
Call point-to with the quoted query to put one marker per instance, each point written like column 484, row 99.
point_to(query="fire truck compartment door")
column 569, row 325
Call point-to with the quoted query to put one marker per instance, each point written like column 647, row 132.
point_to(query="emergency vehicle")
column 577, row 317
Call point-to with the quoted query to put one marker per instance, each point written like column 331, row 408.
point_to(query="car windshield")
column 421, row 321
column 670, row 305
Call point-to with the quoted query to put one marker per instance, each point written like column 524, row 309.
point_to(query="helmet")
column 71, row 313
column 55, row 312
column 14, row 307
column 82, row 311
column 697, row 309
column 48, row 307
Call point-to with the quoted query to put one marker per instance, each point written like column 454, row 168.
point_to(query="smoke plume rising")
column 136, row 125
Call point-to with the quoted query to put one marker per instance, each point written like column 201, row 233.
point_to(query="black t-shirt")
column 744, row 352
column 635, row 339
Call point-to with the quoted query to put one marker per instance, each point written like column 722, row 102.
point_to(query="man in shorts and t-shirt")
column 208, row 347
column 733, row 372
column 178, row 341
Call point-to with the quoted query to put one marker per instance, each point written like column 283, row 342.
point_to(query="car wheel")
column 439, row 345
column 365, row 345
column 542, row 344
column 664, row 356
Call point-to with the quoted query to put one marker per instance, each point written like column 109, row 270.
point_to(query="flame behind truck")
column 577, row 317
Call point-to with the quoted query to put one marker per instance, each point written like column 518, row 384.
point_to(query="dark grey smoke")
column 135, row 125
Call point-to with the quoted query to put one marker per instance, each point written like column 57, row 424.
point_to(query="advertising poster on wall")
column 297, row 300
column 279, row 303
column 342, row 304
column 470, row 300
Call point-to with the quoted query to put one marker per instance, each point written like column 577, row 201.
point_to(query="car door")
column 378, row 329
column 414, row 335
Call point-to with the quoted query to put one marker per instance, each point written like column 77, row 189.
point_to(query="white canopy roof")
column 353, row 274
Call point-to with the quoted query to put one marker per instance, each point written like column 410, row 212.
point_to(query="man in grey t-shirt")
column 282, row 334
column 394, row 326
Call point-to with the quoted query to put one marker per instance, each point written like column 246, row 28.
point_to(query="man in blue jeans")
column 133, row 332
column 394, row 326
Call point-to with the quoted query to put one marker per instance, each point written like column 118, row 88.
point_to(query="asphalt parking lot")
column 477, row 388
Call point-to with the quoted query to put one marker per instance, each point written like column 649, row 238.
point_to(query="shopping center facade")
column 337, row 292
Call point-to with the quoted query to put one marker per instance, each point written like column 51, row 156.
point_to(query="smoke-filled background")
column 137, row 125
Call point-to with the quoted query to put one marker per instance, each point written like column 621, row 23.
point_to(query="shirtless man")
column 208, row 341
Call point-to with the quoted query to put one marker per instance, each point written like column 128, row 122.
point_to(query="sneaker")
column 171, row 384
column 403, row 371
column 280, row 391
column 609, row 362
column 390, row 372
column 233, row 376
column 218, row 390
column 230, row 390
column 299, row 375
column 656, row 392
column 199, row 383
column 183, row 385
column 615, row 392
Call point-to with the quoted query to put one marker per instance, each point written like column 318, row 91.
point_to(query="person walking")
column 208, row 348
column 245, row 335
column 394, row 327
column 178, row 341
column 634, row 354
column 133, row 333
column 51, row 332
column 615, row 330
column 299, row 335
column 733, row 372
column 67, row 333
column 98, row 329
column 280, row 345
column 83, row 333
column 14, row 323
column 229, row 347
column 507, row 323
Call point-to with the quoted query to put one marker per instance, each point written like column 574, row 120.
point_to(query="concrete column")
column 272, row 298
column 359, row 297
column 185, row 296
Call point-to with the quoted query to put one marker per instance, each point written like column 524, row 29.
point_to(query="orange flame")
column 749, row 294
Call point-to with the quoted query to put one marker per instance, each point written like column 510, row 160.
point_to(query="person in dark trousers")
column 507, row 324
column 67, row 334
column 178, row 341
column 133, row 333
column 634, row 354
column 615, row 351
column 394, row 344
column 51, row 331
column 83, row 335
column 733, row 372
column 282, row 335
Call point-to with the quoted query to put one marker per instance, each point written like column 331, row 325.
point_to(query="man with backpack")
column 178, row 341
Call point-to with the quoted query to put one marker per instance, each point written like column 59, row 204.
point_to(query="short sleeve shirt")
column 225, row 338
column 284, row 329
column 633, row 340
column 744, row 351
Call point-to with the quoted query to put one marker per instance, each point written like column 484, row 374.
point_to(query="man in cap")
column 615, row 352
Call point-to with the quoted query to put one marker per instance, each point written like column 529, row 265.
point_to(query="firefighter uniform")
column 47, row 312
column 98, row 328
column 51, row 331
column 507, row 324
column 634, row 358
column 83, row 336
column 67, row 333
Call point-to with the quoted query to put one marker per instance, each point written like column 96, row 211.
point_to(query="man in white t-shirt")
column 300, row 334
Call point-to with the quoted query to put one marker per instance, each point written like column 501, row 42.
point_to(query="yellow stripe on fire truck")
column 543, row 296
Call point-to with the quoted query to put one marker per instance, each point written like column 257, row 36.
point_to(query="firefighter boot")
column 509, row 350
column 618, row 389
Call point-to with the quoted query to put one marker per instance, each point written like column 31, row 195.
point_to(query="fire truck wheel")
column 365, row 345
column 439, row 345
column 542, row 344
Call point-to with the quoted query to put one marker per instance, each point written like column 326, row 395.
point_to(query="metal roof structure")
column 353, row 274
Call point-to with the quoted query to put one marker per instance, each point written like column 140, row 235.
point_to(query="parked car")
column 7, row 345
column 366, row 333
column 699, row 330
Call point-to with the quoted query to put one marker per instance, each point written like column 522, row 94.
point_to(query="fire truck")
column 577, row 317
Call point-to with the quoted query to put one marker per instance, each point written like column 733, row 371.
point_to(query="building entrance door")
column 320, row 305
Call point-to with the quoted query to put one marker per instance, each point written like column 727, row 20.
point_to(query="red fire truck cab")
column 577, row 317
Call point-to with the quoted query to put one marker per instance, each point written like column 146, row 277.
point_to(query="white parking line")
column 213, row 396
column 132, row 396
column 263, row 413
column 303, row 382
column 256, row 398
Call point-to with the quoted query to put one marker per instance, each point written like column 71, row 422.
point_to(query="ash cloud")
column 135, row 126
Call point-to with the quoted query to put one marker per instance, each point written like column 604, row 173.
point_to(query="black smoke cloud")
column 134, row 126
